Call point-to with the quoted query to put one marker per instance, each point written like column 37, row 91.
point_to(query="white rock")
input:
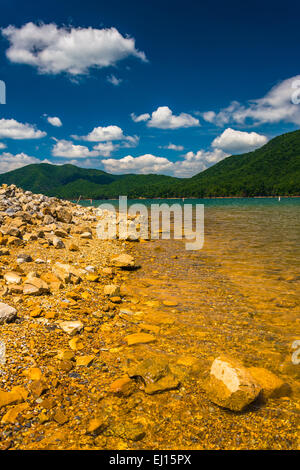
column 7, row 313
column 71, row 327
column 90, row 269
column 231, row 385
column 86, row 235
column 12, row 278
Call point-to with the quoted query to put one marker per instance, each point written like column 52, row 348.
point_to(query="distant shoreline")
column 183, row 198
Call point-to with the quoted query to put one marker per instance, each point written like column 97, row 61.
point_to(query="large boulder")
column 230, row 384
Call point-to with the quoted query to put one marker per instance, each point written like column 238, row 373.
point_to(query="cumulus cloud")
column 109, row 134
column 105, row 149
column 143, row 164
column 191, row 163
column 171, row 146
column 54, row 121
column 163, row 118
column 239, row 142
column 195, row 162
column 12, row 129
column 277, row 105
column 2, row 145
column 9, row 162
column 114, row 80
column 53, row 50
column 102, row 134
column 66, row 149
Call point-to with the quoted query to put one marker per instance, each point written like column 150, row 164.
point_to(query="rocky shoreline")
column 76, row 365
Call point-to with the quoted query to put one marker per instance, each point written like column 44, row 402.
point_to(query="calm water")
column 253, row 238
column 239, row 295
column 257, row 243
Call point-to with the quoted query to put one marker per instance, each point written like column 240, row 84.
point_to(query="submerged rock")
column 139, row 338
column 16, row 395
column 231, row 385
column 155, row 375
column 97, row 425
column 271, row 385
column 122, row 387
column 13, row 413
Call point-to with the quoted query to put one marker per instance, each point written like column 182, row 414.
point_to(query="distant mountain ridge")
column 272, row 170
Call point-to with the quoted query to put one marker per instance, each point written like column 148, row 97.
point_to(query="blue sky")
column 145, row 87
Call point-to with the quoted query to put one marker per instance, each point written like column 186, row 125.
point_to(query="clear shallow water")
column 237, row 296
column 256, row 240
column 256, row 243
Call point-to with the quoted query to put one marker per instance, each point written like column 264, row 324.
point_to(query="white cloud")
column 114, row 80
column 233, row 141
column 191, row 164
column 9, row 162
column 109, row 134
column 130, row 141
column 105, row 149
column 163, row 118
column 143, row 164
column 102, row 134
column 171, row 146
column 277, row 105
column 53, row 50
column 87, row 163
column 195, row 162
column 2, row 146
column 66, row 149
column 54, row 121
column 12, row 129
column 140, row 118
column 209, row 116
